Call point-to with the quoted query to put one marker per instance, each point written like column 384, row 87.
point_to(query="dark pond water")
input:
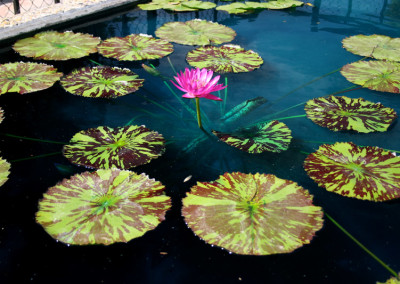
column 297, row 46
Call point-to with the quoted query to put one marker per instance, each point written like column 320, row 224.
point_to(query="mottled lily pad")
column 224, row 59
column 4, row 171
column 135, row 47
column 52, row 45
column 375, row 46
column 343, row 113
column 27, row 77
column 102, row 207
column 1, row 115
column 272, row 136
column 368, row 173
column 252, row 214
column 122, row 147
column 195, row 32
column 101, row 82
column 378, row 75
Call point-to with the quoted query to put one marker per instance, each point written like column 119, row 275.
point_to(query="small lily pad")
column 135, row 47
column 4, row 171
column 27, row 77
column 195, row 32
column 224, row 59
column 343, row 113
column 368, row 173
column 102, row 207
column 122, row 147
column 272, row 136
column 52, row 45
column 101, row 82
column 252, row 214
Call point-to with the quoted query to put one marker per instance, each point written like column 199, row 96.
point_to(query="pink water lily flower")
column 198, row 83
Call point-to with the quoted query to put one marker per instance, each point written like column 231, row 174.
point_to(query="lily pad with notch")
column 367, row 173
column 101, row 82
column 248, row 214
column 224, row 59
column 122, row 147
column 102, row 207
column 343, row 113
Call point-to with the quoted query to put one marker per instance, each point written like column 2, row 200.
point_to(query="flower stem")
column 198, row 112
column 33, row 139
column 36, row 157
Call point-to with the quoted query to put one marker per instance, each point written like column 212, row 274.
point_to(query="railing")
column 13, row 7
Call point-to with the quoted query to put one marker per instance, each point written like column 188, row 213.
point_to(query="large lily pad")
column 378, row 75
column 368, row 173
column 252, row 214
column 135, row 47
column 343, row 113
column 224, row 59
column 272, row 136
column 375, row 46
column 177, row 5
column 27, row 77
column 122, row 147
column 251, row 7
column 102, row 207
column 282, row 4
column 101, row 82
column 4, row 171
column 195, row 32
column 52, row 45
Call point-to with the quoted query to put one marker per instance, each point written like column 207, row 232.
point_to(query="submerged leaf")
column 343, row 113
column 102, row 207
column 242, row 109
column 4, row 171
column 252, row 214
column 368, row 173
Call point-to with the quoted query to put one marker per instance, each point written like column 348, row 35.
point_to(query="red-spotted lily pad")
column 102, row 207
column 378, row 75
column 177, row 5
column 272, row 136
column 252, row 214
column 122, row 147
column 343, row 113
column 224, row 59
column 4, row 171
column 101, row 82
column 375, row 46
column 135, row 47
column 27, row 77
column 368, row 173
column 52, row 45
column 195, row 32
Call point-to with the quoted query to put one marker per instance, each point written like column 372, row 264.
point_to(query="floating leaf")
column 343, row 113
column 102, row 207
column 101, row 82
column 52, row 45
column 4, row 171
column 1, row 115
column 272, row 136
column 27, row 77
column 195, row 32
column 282, row 4
column 375, row 75
column 242, row 8
column 177, row 5
column 198, row 5
column 252, row 214
column 135, row 47
column 242, row 109
column 122, row 147
column 224, row 59
column 391, row 280
column 375, row 46
column 368, row 173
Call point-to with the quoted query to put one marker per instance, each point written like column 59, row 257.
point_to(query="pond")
column 302, row 54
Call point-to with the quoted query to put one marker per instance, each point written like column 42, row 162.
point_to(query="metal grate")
column 9, row 8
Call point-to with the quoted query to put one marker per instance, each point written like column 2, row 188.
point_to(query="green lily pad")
column 52, row 45
column 368, row 173
column 195, row 32
column 378, row 75
column 375, row 46
column 135, row 47
column 198, row 5
column 4, row 171
column 102, row 207
column 177, row 5
column 101, row 82
column 224, row 59
column 391, row 280
column 282, row 4
column 242, row 7
column 27, row 77
column 343, row 113
column 122, row 147
column 252, row 214
column 272, row 136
